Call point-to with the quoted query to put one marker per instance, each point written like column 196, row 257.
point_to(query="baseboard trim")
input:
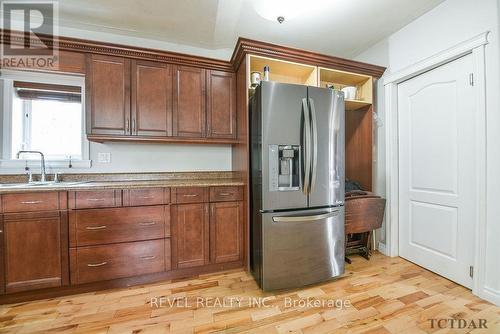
column 491, row 295
column 382, row 249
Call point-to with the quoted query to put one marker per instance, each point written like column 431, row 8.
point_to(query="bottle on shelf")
column 266, row 73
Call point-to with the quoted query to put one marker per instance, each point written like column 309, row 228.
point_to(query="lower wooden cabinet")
column 226, row 231
column 113, row 225
column 35, row 250
column 102, row 237
column 190, row 235
column 105, row 262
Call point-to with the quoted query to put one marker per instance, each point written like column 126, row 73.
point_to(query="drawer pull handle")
column 97, row 264
column 147, row 224
column 31, row 202
column 147, row 197
column 96, row 199
column 224, row 194
column 190, row 195
column 91, row 228
column 150, row 257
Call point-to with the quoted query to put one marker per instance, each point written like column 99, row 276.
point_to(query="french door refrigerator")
column 297, row 185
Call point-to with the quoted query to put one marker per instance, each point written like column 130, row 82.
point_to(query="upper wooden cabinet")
column 189, row 114
column 108, row 95
column 151, row 99
column 221, row 104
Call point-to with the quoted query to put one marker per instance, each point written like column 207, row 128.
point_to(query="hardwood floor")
column 388, row 295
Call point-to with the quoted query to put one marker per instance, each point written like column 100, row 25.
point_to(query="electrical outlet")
column 104, row 158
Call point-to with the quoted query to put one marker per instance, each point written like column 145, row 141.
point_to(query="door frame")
column 476, row 47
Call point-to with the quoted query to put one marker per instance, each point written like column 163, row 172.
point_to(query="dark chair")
column 364, row 213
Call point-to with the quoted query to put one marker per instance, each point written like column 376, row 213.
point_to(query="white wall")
column 161, row 157
column 224, row 54
column 445, row 26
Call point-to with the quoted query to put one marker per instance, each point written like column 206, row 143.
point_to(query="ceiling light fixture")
column 279, row 10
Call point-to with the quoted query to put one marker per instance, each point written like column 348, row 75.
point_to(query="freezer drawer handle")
column 305, row 218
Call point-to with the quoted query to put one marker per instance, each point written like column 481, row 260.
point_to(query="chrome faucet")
column 42, row 163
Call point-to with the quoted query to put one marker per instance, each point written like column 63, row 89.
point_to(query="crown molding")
column 243, row 47
column 246, row 46
column 88, row 46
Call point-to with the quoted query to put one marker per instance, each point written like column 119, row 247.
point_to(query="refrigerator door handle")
column 305, row 218
column 314, row 141
column 306, row 135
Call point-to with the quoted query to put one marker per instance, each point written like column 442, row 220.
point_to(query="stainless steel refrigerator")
column 297, row 185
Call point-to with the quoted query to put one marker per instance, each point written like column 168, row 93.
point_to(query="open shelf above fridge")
column 363, row 84
column 284, row 71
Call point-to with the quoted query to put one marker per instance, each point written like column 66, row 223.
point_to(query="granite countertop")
column 126, row 181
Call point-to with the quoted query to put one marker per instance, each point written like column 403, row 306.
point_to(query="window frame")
column 8, row 77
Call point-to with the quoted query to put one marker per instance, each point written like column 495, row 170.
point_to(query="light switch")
column 104, row 158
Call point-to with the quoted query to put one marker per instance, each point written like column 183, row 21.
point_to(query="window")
column 46, row 116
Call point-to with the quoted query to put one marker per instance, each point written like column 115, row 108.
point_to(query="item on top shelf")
column 349, row 92
column 255, row 79
column 331, row 86
column 266, row 73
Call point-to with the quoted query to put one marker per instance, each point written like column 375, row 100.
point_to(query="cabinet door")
column 189, row 114
column 151, row 99
column 226, row 231
column 190, row 235
column 35, row 251
column 221, row 105
column 2, row 257
column 108, row 95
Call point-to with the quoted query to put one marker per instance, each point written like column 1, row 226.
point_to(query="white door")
column 437, row 170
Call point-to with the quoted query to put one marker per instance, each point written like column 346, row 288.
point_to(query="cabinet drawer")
column 95, row 199
column 147, row 196
column 190, row 195
column 99, row 263
column 225, row 194
column 36, row 201
column 106, row 226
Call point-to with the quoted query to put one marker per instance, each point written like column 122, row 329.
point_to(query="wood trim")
column 83, row 45
column 243, row 47
column 64, row 248
column 154, row 139
column 117, row 283
column 246, row 46
column 2, row 257
column 50, row 87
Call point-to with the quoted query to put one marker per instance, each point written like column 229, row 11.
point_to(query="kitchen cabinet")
column 221, row 104
column 108, row 95
column 151, row 99
column 105, row 262
column 114, row 225
column 226, row 231
column 90, row 239
column 35, row 250
column 190, row 235
column 189, row 114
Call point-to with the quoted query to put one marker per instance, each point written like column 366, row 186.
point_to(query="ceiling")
column 336, row 27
